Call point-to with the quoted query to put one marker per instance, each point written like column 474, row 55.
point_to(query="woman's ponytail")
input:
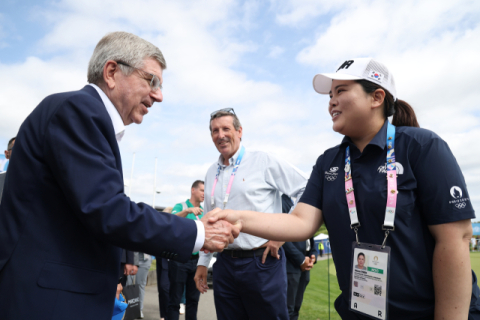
column 404, row 115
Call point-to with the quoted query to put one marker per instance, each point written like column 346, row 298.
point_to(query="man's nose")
column 157, row 95
column 221, row 134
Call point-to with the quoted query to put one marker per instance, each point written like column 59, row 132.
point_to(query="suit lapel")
column 111, row 138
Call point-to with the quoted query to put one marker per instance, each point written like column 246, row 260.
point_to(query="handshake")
column 221, row 228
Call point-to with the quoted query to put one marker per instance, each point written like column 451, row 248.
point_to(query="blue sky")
column 257, row 57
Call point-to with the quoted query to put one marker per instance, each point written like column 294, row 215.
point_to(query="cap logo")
column 376, row 76
column 345, row 65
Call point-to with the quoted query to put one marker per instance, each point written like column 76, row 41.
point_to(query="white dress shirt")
column 259, row 182
column 119, row 129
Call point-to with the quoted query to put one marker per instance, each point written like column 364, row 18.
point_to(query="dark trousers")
column 297, row 283
column 244, row 288
column 181, row 276
column 163, row 286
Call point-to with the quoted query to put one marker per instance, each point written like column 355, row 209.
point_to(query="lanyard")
column 232, row 176
column 391, row 206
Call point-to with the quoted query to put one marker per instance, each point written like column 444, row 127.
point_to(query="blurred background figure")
column 181, row 275
column 300, row 256
column 8, row 154
column 144, row 262
column 163, row 284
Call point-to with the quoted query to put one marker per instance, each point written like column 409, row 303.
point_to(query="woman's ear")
column 378, row 97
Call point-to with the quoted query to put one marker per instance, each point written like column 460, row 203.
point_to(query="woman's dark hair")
column 403, row 114
column 360, row 254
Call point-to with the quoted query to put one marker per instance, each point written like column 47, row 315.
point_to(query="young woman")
column 394, row 188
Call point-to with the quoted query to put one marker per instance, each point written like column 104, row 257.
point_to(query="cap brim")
column 322, row 82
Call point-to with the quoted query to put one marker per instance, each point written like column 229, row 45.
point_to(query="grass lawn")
column 154, row 265
column 475, row 261
column 315, row 300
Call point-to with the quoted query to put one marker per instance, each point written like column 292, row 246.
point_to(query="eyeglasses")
column 229, row 110
column 154, row 81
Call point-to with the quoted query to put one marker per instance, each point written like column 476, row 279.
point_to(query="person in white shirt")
column 249, row 276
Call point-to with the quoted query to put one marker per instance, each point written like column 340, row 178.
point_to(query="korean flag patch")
column 377, row 76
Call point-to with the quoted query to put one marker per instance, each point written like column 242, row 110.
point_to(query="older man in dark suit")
column 64, row 214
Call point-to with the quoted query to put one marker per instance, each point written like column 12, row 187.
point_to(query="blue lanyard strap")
column 388, row 224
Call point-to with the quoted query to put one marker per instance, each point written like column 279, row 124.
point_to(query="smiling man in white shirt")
column 249, row 277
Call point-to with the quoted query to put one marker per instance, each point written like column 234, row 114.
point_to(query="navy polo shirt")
column 431, row 190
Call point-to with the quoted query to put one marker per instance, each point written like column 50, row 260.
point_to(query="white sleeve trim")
column 200, row 236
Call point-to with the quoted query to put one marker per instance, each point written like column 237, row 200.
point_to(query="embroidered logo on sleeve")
column 457, row 194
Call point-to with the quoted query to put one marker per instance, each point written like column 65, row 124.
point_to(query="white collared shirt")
column 258, row 184
column 117, row 121
column 119, row 129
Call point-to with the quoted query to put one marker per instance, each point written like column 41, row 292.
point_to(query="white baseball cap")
column 357, row 69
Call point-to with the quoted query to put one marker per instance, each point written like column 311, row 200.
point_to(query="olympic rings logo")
column 330, row 177
column 461, row 205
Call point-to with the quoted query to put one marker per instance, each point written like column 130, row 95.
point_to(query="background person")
column 321, row 247
column 140, row 276
column 8, row 152
column 301, row 256
column 181, row 275
column 249, row 278
column 433, row 211
column 64, row 215
column 163, row 284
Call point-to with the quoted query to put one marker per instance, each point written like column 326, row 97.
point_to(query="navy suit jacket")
column 295, row 252
column 64, row 215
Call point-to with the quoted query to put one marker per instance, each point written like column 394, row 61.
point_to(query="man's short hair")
column 219, row 114
column 10, row 143
column 125, row 47
column 197, row 183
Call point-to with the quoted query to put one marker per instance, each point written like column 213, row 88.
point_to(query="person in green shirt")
column 181, row 275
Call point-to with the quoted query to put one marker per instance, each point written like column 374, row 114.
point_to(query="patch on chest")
column 332, row 174
column 398, row 165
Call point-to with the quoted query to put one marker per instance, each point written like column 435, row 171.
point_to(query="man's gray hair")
column 219, row 114
column 125, row 47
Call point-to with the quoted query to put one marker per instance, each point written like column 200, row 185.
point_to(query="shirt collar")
column 117, row 121
column 379, row 140
column 189, row 202
column 232, row 159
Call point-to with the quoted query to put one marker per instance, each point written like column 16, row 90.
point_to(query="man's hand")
column 135, row 270
column 306, row 265
column 196, row 211
column 312, row 259
column 218, row 235
column 201, row 279
column 128, row 269
column 272, row 247
column 119, row 290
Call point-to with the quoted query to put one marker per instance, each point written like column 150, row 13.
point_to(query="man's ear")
column 109, row 70
column 378, row 97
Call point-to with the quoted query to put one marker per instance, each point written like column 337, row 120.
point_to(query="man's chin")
column 137, row 120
